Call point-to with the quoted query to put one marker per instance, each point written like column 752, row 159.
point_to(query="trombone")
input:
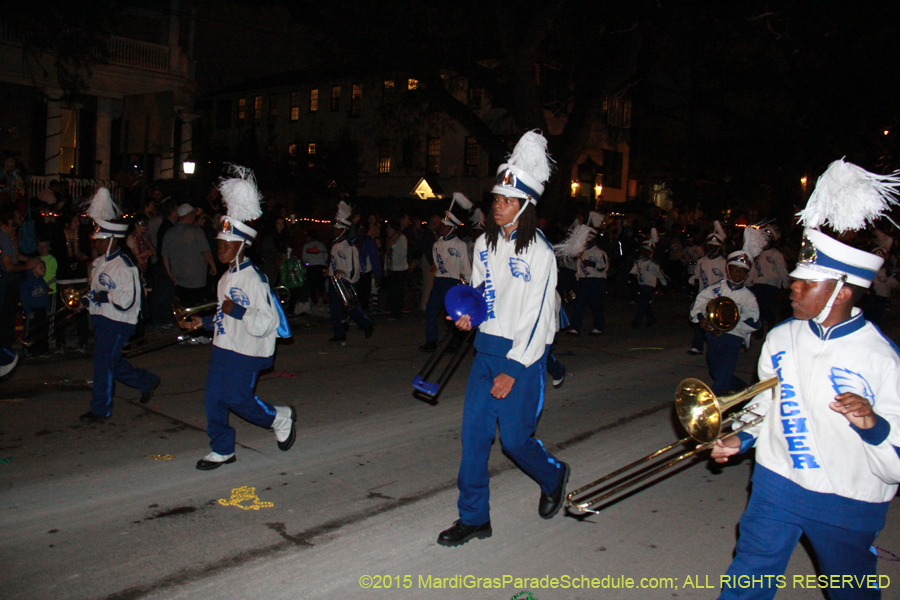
column 701, row 414
column 61, row 318
column 167, row 338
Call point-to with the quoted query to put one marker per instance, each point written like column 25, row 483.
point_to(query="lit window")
column 313, row 100
column 311, row 149
column 292, row 150
column 387, row 90
column 434, row 155
column 336, row 97
column 295, row 106
column 470, row 166
column 384, row 159
column 242, row 109
column 356, row 100
column 412, row 84
column 257, row 109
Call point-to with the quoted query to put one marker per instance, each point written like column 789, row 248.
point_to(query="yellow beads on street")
column 161, row 456
column 244, row 494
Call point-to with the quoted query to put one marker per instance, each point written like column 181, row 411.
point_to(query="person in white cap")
column 710, row 269
column 590, row 272
column 516, row 265
column 248, row 319
column 827, row 462
column 724, row 347
column 451, row 262
column 344, row 263
column 114, row 303
column 648, row 274
column 187, row 257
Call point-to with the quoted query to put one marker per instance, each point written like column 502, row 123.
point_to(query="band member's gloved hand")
column 725, row 448
column 855, row 408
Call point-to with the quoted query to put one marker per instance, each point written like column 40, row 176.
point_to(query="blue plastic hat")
column 466, row 300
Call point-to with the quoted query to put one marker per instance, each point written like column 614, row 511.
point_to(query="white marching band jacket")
column 710, row 270
column 769, row 268
column 520, row 290
column 251, row 327
column 344, row 259
column 746, row 303
column 451, row 258
column 648, row 272
column 806, row 442
column 115, row 289
column 592, row 263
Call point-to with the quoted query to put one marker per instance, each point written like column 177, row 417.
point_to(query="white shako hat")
column 342, row 218
column 755, row 241
column 105, row 212
column 477, row 219
column 525, row 172
column 463, row 203
column 595, row 221
column 717, row 237
column 650, row 243
column 241, row 197
column 847, row 198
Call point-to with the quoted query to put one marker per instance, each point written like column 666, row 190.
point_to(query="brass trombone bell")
column 165, row 338
column 701, row 414
column 722, row 314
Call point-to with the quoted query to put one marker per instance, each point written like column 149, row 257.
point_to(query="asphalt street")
column 118, row 511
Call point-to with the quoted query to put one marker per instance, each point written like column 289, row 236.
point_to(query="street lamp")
column 188, row 165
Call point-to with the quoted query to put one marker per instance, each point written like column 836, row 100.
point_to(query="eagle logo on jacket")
column 519, row 268
column 239, row 297
column 107, row 281
column 844, row 380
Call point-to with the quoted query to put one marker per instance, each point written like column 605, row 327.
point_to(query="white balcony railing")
column 140, row 55
column 74, row 186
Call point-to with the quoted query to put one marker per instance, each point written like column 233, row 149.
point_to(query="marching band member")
column 827, row 462
column 248, row 319
column 724, row 348
column 648, row 274
column 114, row 303
column 710, row 269
column 768, row 277
column 451, row 261
column 344, row 263
column 517, row 267
column 590, row 272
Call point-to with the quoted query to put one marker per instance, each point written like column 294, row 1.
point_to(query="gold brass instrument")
column 702, row 415
column 283, row 294
column 167, row 337
column 71, row 298
column 722, row 315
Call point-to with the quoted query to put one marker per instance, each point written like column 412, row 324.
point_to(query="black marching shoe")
column 91, row 417
column 214, row 461
column 550, row 505
column 148, row 395
column 461, row 533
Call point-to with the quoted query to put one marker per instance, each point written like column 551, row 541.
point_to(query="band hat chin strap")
column 521, row 210
column 820, row 318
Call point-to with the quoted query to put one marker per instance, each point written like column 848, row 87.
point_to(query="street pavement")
column 118, row 511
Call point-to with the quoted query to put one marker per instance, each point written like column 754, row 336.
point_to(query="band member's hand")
column 855, row 408
column 227, row 305
column 503, row 384
column 704, row 325
column 463, row 323
column 192, row 323
column 725, row 448
column 212, row 270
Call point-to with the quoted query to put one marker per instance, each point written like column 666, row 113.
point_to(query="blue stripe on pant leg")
column 479, row 427
column 104, row 385
column 844, row 552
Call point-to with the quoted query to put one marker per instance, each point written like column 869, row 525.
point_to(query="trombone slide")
column 433, row 389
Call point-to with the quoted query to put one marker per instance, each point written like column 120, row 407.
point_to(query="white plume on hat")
column 461, row 199
column 595, row 219
column 654, row 236
column 754, row 241
column 240, row 194
column 530, row 155
column 575, row 242
column 849, row 198
column 343, row 213
column 102, row 207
